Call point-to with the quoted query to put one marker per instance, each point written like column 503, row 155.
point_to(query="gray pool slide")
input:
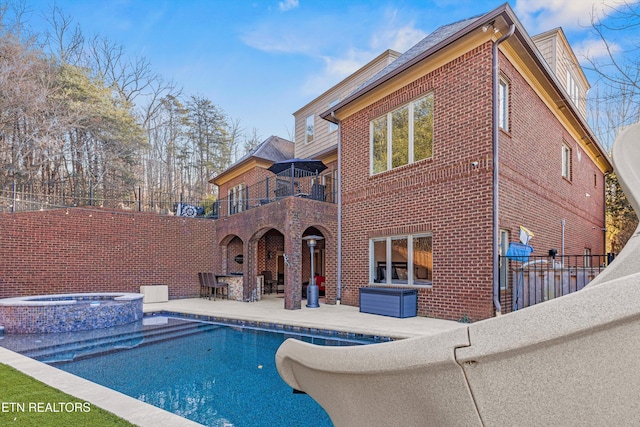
column 570, row 361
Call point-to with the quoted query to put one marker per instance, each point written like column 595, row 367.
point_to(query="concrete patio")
column 333, row 317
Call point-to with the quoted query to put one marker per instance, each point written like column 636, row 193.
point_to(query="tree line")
column 615, row 102
column 78, row 114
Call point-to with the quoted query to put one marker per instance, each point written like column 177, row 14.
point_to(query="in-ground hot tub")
column 69, row 312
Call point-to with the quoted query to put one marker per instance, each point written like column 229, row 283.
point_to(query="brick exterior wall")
column 278, row 227
column 533, row 192
column 451, row 198
column 79, row 250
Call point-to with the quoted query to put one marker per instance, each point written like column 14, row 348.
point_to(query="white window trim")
column 306, row 129
column 236, row 199
column 572, row 88
column 503, row 105
column 332, row 126
column 566, row 161
column 389, row 117
column 388, row 261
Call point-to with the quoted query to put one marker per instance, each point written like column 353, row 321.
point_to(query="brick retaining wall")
column 93, row 250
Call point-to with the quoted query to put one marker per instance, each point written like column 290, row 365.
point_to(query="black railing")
column 301, row 184
column 21, row 198
column 542, row 278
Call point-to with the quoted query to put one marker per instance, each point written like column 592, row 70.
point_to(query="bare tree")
column 616, row 101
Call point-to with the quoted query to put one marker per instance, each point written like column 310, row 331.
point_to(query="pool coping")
column 129, row 408
column 147, row 415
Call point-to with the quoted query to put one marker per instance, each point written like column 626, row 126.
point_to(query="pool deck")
column 269, row 310
column 332, row 317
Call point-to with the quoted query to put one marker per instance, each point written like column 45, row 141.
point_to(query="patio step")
column 91, row 347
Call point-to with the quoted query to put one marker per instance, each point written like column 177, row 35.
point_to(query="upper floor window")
column 402, row 136
column 236, row 196
column 572, row 88
column 503, row 105
column 309, row 129
column 332, row 126
column 566, row 161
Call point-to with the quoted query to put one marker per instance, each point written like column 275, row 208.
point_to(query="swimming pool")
column 209, row 372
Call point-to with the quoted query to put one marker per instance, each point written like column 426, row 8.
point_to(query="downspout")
column 339, row 190
column 496, row 134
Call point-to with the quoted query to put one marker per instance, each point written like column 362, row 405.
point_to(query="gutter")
column 496, row 137
column 339, row 191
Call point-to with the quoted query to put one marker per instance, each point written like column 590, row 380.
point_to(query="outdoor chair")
column 212, row 285
column 203, row 286
column 268, row 281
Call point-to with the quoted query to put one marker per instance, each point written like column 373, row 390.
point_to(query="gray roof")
column 440, row 34
column 273, row 149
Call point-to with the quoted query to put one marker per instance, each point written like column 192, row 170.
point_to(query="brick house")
column 264, row 216
column 426, row 201
column 412, row 195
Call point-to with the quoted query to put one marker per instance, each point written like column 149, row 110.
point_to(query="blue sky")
column 262, row 60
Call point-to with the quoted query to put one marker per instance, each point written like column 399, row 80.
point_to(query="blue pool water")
column 214, row 374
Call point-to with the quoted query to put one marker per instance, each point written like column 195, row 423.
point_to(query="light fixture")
column 491, row 24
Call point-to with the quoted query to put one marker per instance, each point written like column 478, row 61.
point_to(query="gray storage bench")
column 393, row 302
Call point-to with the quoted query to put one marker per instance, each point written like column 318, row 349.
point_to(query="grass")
column 25, row 401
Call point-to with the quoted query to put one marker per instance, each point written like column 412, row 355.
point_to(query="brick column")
column 293, row 268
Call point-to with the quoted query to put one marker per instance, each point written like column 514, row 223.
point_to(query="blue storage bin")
column 394, row 302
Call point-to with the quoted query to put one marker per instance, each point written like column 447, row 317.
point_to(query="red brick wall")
column 533, row 192
column 78, row 250
column 451, row 198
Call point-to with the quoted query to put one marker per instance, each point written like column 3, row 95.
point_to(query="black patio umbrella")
column 309, row 165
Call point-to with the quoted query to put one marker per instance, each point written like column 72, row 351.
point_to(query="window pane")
column 333, row 126
column 400, row 137
column 399, row 259
column 566, row 162
column 422, row 260
column 503, row 93
column 310, row 129
column 379, row 261
column 423, row 128
column 379, row 144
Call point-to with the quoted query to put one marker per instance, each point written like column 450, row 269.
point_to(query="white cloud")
column 594, row 49
column 541, row 15
column 340, row 44
column 398, row 39
column 288, row 5
column 277, row 40
column 337, row 68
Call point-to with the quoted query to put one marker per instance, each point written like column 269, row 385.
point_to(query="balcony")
column 300, row 183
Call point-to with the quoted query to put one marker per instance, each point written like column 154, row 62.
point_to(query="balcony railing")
column 301, row 184
column 542, row 278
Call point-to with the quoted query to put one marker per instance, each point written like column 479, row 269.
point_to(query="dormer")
column 558, row 54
